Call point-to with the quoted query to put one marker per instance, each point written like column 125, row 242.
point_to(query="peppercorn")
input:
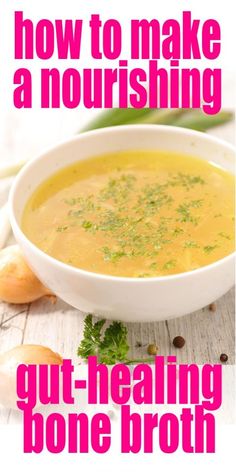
column 223, row 357
column 212, row 307
column 179, row 342
column 152, row 349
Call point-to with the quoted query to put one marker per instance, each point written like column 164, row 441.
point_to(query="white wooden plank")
column 208, row 334
column 58, row 326
column 12, row 325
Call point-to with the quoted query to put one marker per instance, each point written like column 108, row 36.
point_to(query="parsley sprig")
column 110, row 346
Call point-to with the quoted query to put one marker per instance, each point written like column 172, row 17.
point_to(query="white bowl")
column 126, row 299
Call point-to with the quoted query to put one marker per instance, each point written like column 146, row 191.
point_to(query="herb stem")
column 145, row 360
column 183, row 117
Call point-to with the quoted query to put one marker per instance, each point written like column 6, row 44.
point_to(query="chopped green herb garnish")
column 185, row 214
column 112, row 256
column 111, row 221
column 87, row 225
column 118, row 189
column 72, row 201
column 153, row 265
column 177, row 231
column 209, row 249
column 190, row 244
column 169, row 265
column 61, row 229
column 185, row 180
column 152, row 198
column 195, row 203
column 224, row 235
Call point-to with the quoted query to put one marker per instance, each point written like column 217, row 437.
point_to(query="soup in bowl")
column 133, row 223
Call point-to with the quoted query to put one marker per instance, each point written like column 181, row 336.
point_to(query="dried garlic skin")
column 9, row 361
column 30, row 354
column 18, row 284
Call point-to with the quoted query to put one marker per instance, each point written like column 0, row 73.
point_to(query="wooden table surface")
column 60, row 326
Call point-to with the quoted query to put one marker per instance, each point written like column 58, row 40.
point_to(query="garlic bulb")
column 18, row 284
column 23, row 354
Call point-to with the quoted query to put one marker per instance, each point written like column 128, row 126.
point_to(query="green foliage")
column 110, row 346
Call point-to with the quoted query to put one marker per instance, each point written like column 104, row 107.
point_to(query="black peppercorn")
column 179, row 342
column 223, row 357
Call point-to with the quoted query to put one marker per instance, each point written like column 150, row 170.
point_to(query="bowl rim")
column 96, row 275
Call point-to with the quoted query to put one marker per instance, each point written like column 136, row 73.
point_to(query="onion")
column 18, row 284
column 9, row 361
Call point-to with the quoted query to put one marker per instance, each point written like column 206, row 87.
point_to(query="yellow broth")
column 134, row 214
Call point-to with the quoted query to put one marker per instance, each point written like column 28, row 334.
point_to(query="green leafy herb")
column 190, row 244
column 118, row 189
column 61, row 229
column 91, row 341
column 111, row 221
column 196, row 203
column 72, row 201
column 152, row 198
column 224, row 235
column 114, row 347
column 209, row 249
column 87, row 225
column 169, row 264
column 177, row 231
column 153, row 265
column 186, row 180
column 185, row 213
column 112, row 256
column 110, row 346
